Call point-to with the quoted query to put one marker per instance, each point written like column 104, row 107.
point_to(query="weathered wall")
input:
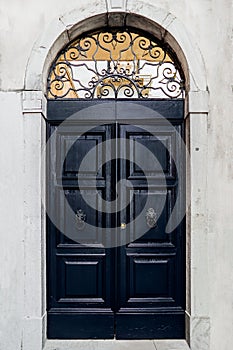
column 209, row 23
column 11, row 203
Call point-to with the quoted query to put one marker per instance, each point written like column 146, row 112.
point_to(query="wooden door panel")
column 157, row 277
column 159, row 146
column 79, row 274
column 76, row 154
column 81, row 279
column 152, row 280
column 142, row 199
column 77, row 150
column 156, row 325
column 93, row 218
column 156, row 147
column 150, row 276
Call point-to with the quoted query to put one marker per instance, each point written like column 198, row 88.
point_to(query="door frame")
column 34, row 112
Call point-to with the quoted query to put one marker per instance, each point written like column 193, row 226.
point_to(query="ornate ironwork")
column 114, row 64
column 80, row 219
column 151, row 218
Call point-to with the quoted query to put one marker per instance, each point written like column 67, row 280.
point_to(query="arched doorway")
column 113, row 268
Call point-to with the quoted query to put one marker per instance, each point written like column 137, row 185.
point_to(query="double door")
column 112, row 269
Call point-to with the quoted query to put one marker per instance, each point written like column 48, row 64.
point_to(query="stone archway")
column 163, row 25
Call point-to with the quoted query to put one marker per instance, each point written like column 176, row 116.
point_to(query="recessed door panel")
column 82, row 278
column 142, row 200
column 158, row 272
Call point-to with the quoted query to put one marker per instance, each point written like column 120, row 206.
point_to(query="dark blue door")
column 114, row 273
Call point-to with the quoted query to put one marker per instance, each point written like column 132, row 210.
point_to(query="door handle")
column 80, row 217
column 151, row 217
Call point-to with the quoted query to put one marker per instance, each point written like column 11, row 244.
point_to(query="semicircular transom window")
column 115, row 64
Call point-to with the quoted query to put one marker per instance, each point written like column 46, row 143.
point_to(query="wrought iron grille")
column 115, row 64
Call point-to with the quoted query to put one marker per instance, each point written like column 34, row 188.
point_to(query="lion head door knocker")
column 80, row 218
column 151, row 218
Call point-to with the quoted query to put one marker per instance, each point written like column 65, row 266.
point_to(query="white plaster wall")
column 22, row 299
column 11, row 223
column 210, row 24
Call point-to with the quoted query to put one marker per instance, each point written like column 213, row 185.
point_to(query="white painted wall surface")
column 210, row 25
column 12, row 226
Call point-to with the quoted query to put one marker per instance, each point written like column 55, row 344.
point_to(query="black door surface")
column 111, row 280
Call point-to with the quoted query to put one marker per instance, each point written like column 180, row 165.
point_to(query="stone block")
column 200, row 333
column 171, row 345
